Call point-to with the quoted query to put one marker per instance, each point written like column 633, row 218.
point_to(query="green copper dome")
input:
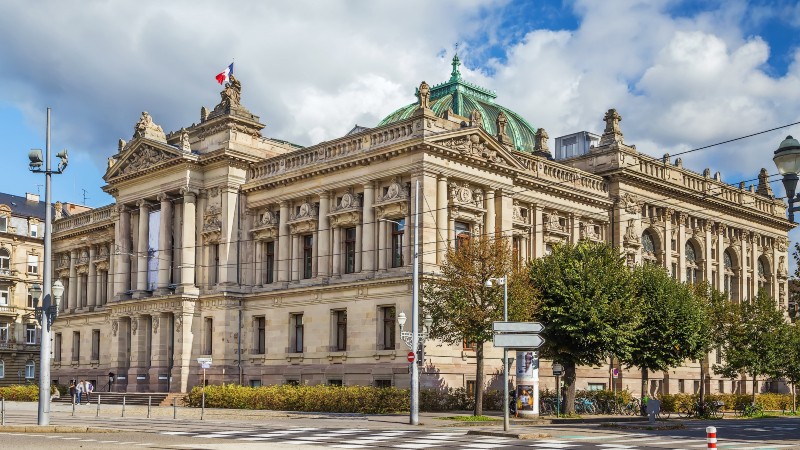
column 462, row 98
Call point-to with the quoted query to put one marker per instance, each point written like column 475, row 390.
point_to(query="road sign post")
column 411, row 357
column 558, row 369
column 519, row 336
column 205, row 363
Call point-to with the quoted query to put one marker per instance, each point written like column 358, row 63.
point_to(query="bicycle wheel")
column 663, row 414
column 686, row 412
column 714, row 411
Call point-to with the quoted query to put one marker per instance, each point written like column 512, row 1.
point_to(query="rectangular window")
column 719, row 355
column 57, row 348
column 469, row 346
column 335, row 383
column 4, row 295
column 398, row 233
column 4, row 224
column 30, row 370
column 721, row 387
column 270, row 262
column 389, row 320
column 29, row 302
column 298, row 333
column 682, row 386
column 30, row 333
column 462, row 234
column 471, row 387
column 350, row 250
column 255, row 383
column 341, row 331
column 696, row 386
column 674, row 271
column 597, row 386
column 3, row 332
column 33, row 264
column 95, row 345
column 383, row 384
column 674, row 245
column 261, row 335
column 34, row 230
column 713, row 253
column 209, row 335
column 76, row 346
column 308, row 251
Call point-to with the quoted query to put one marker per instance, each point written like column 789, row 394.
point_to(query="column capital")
column 441, row 177
column 325, row 195
column 189, row 194
column 202, row 193
column 120, row 208
column 369, row 185
column 142, row 203
column 285, row 204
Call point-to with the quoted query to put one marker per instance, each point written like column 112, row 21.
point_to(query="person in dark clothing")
column 72, row 391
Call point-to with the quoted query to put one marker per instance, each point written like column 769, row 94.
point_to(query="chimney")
column 32, row 197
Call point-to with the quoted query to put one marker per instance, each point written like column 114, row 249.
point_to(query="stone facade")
column 287, row 264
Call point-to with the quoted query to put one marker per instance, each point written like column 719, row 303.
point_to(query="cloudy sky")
column 682, row 74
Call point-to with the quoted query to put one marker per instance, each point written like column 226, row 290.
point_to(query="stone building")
column 288, row 264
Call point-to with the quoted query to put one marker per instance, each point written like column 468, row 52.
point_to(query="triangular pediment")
column 142, row 155
column 475, row 143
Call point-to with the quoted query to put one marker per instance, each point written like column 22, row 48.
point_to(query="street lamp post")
column 47, row 313
column 503, row 281
column 414, row 413
column 415, row 340
column 787, row 160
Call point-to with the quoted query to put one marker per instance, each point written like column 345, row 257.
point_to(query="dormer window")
column 3, row 224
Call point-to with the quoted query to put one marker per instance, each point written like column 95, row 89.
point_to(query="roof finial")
column 455, row 74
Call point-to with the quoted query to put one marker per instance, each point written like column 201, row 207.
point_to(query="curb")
column 509, row 434
column 55, row 429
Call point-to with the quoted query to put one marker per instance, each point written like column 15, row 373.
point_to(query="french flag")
column 225, row 74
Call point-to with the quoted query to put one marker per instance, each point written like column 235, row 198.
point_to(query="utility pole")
column 415, row 314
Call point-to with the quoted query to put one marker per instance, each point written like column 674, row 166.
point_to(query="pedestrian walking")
column 80, row 388
column 73, row 390
column 89, row 389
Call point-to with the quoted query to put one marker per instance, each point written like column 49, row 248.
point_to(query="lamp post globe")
column 58, row 289
column 428, row 321
column 36, row 294
column 787, row 160
column 401, row 319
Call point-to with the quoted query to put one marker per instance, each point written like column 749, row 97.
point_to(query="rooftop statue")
column 232, row 94
column 424, row 96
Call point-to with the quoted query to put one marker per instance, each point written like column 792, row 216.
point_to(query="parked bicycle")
column 707, row 409
column 749, row 410
column 585, row 406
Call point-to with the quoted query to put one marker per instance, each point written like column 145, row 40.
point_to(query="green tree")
column 673, row 327
column 753, row 339
column 461, row 305
column 717, row 312
column 588, row 306
column 788, row 364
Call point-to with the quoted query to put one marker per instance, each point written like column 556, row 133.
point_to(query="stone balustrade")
column 85, row 218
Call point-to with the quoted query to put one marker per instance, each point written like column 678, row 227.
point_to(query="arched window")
column 648, row 244
column 5, row 259
column 728, row 260
column 729, row 285
column 760, row 268
column 691, row 263
column 30, row 370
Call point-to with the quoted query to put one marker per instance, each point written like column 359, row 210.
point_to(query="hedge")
column 20, row 393
column 768, row 401
column 337, row 399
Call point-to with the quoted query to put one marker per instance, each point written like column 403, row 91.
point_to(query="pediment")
column 144, row 154
column 475, row 143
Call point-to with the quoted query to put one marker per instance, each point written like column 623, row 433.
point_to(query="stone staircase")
column 131, row 398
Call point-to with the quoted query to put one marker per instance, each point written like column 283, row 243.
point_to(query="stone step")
column 135, row 399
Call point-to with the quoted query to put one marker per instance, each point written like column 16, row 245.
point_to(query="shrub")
column 732, row 402
column 20, row 393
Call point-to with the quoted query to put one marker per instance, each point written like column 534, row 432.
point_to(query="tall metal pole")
column 44, row 347
column 505, row 356
column 415, row 314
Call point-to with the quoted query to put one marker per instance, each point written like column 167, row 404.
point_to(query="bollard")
column 123, row 406
column 73, row 405
column 3, row 411
column 98, row 405
column 175, row 408
column 149, row 401
column 711, row 437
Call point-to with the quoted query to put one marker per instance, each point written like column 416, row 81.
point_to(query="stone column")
column 682, row 246
column 98, row 290
column 709, row 266
column 575, row 234
column 142, row 249
column 188, row 235
column 122, row 240
column 324, row 237
column 538, row 231
column 134, row 249
column 111, row 274
column 177, row 242
column 743, row 292
column 296, row 257
column 314, row 254
column 160, row 343
column 491, row 215
column 248, row 264
column 164, row 251
column 73, row 281
column 408, row 239
column 283, row 243
column 382, row 243
column 258, row 278
column 337, row 252
column 442, row 223
column 91, row 282
column 359, row 230
column 754, row 264
column 368, row 231
column 200, row 257
column 720, row 261
column 229, row 238
column 667, row 240
column 427, row 226
column 183, row 351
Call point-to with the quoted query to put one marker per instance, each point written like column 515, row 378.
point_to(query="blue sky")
column 682, row 74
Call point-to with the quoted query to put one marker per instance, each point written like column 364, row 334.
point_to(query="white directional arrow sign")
column 518, row 341
column 517, row 327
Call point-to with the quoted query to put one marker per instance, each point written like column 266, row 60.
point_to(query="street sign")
column 411, row 357
column 517, row 327
column 615, row 372
column 558, row 369
column 518, row 341
column 203, row 360
column 206, row 366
